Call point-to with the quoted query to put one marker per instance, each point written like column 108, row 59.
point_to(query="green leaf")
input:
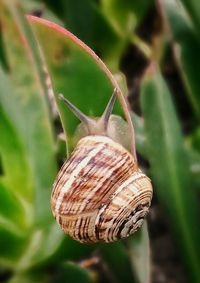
column 77, row 73
column 27, row 148
column 170, row 168
column 51, row 241
column 117, row 261
column 194, row 158
column 30, row 277
column 13, row 154
column 12, row 245
column 15, row 191
column 124, row 16
column 186, row 48
column 16, row 197
column 12, row 213
column 71, row 272
column 140, row 135
column 139, row 251
column 193, row 8
column 26, row 106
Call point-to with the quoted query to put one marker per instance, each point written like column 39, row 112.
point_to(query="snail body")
column 100, row 194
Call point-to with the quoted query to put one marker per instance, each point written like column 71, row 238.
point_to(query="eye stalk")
column 94, row 126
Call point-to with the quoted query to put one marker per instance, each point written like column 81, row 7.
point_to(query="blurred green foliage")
column 32, row 247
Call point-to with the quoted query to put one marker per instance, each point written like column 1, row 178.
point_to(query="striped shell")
column 100, row 194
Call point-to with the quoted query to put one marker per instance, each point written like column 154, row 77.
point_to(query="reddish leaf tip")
column 151, row 69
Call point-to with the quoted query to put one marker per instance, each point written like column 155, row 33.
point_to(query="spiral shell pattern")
column 100, row 194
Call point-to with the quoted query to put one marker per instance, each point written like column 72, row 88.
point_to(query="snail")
column 100, row 194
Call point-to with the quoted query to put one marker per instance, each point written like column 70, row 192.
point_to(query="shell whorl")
column 100, row 194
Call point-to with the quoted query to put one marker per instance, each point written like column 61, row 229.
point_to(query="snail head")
column 94, row 126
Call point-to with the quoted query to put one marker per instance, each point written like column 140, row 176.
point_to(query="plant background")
column 156, row 45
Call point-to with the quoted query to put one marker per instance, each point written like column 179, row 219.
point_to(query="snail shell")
column 100, row 194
